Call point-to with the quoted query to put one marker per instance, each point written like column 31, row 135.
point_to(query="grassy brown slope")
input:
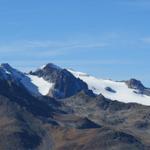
column 130, row 118
column 95, row 139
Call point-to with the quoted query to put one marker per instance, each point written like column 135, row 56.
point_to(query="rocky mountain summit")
column 65, row 84
column 137, row 85
column 60, row 109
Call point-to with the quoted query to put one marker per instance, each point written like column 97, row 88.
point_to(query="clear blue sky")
column 106, row 38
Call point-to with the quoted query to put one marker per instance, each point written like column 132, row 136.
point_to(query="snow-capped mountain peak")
column 5, row 66
column 35, row 85
column 65, row 84
column 10, row 72
column 127, row 91
column 57, row 82
column 50, row 65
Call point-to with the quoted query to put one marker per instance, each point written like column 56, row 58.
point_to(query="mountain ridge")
column 82, row 120
column 54, row 81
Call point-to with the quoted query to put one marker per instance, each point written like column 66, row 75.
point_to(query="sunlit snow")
column 123, row 93
column 42, row 85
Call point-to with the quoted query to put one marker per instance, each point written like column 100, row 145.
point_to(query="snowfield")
column 122, row 92
column 110, row 89
column 37, row 85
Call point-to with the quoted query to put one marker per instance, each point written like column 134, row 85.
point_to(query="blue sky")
column 105, row 38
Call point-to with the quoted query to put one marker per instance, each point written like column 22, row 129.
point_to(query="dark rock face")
column 143, row 125
column 109, row 89
column 137, row 85
column 50, row 72
column 29, row 140
column 65, row 84
column 88, row 124
column 146, row 91
column 20, row 96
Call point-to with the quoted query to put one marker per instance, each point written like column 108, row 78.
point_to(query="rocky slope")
column 65, row 84
column 34, row 117
column 132, row 119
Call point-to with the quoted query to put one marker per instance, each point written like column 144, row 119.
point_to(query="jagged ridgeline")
column 53, row 108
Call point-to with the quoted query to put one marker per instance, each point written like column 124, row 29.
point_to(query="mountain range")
column 53, row 108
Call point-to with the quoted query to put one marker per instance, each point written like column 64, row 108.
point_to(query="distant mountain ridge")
column 54, row 81
column 60, row 109
column 65, row 83
column 124, row 91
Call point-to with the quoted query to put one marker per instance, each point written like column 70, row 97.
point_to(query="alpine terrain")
column 52, row 108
